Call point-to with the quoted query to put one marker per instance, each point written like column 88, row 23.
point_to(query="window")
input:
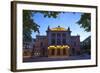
column 53, row 51
column 41, row 44
column 53, row 42
column 64, row 41
column 74, row 43
column 53, row 34
column 58, row 42
column 26, row 45
column 58, row 51
column 64, row 51
column 73, row 51
column 58, row 35
column 64, row 35
column 25, row 53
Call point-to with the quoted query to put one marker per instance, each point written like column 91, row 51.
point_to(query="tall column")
column 67, row 51
column 49, row 52
column 61, row 52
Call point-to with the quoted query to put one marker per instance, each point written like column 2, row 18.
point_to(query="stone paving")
column 39, row 59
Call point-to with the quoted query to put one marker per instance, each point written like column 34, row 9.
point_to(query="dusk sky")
column 64, row 20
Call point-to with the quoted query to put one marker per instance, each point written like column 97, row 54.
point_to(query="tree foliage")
column 30, row 25
column 85, row 21
column 86, row 45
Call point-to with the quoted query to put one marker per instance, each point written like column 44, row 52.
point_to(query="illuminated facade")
column 57, row 43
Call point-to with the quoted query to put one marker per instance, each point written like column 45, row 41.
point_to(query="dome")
column 58, row 29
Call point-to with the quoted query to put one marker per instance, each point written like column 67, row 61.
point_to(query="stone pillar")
column 61, row 52
column 49, row 52
column 67, row 51
column 55, row 52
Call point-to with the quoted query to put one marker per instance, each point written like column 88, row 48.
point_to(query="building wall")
column 40, row 46
column 67, row 39
column 59, row 36
column 27, row 49
column 75, row 43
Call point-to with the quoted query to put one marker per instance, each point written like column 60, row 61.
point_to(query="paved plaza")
column 39, row 59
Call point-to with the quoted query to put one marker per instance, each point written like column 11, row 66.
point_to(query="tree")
column 30, row 25
column 86, row 45
column 85, row 21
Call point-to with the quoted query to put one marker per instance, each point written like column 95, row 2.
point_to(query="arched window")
column 53, row 52
column 58, row 51
column 64, row 51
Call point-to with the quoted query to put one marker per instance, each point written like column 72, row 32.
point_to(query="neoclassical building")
column 58, row 42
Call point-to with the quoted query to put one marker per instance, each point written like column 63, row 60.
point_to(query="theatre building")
column 58, row 42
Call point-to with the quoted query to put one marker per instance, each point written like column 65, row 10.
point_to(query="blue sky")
column 65, row 20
